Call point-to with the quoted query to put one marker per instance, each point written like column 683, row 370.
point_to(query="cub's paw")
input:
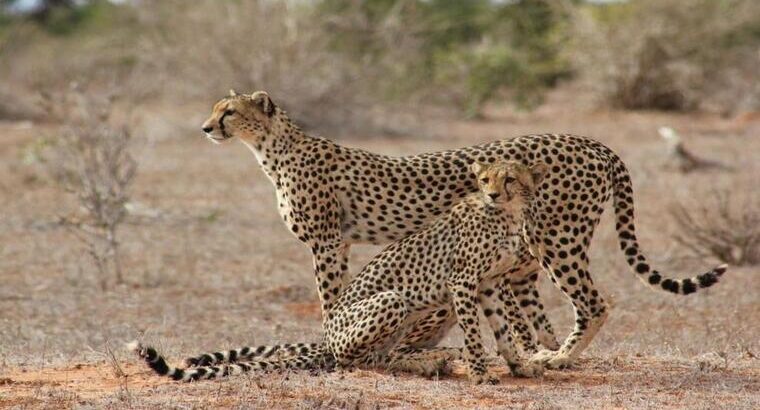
column 543, row 356
column 559, row 362
column 527, row 369
column 484, row 378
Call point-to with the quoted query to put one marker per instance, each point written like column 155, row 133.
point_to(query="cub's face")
column 508, row 183
column 248, row 117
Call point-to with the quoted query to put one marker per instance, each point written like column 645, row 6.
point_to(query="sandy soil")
column 210, row 266
column 615, row 383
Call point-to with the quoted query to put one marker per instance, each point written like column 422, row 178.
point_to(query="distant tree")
column 47, row 8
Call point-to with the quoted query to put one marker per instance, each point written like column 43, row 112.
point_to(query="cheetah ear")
column 233, row 93
column 262, row 101
column 538, row 172
column 477, row 167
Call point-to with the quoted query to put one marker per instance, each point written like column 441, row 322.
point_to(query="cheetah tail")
column 623, row 204
column 159, row 365
column 248, row 353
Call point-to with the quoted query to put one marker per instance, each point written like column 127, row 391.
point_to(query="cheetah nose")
column 207, row 129
column 494, row 195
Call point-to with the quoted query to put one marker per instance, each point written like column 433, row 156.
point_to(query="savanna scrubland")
column 121, row 221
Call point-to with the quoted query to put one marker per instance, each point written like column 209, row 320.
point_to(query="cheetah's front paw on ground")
column 527, row 369
column 484, row 378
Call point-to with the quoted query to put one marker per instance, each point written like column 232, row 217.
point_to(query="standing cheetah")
column 331, row 197
column 457, row 261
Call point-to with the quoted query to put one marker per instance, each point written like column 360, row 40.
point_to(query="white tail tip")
column 133, row 345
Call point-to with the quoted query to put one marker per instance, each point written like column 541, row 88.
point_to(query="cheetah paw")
column 528, row 369
column 543, row 356
column 484, row 378
column 559, row 362
column 436, row 368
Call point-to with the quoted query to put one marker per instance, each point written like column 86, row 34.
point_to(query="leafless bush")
column 90, row 159
column 277, row 46
column 670, row 54
column 723, row 227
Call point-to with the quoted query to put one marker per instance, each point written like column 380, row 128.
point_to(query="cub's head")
column 248, row 117
column 508, row 183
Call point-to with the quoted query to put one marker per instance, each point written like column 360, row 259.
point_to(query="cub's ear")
column 233, row 93
column 538, row 172
column 262, row 101
column 476, row 167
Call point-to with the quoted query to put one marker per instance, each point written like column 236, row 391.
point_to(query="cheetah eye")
column 229, row 112
column 509, row 180
column 484, row 180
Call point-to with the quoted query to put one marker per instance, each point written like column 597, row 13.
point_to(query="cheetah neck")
column 277, row 144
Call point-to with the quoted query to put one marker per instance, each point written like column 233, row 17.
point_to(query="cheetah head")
column 248, row 117
column 508, row 183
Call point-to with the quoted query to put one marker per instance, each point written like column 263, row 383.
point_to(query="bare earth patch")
column 594, row 383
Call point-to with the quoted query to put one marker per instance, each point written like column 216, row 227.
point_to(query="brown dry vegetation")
column 209, row 265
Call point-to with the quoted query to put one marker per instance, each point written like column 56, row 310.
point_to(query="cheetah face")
column 508, row 184
column 248, row 117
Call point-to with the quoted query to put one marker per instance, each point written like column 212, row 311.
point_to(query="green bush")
column 669, row 54
column 465, row 51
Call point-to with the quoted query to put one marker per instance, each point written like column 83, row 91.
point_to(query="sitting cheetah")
column 458, row 260
column 331, row 197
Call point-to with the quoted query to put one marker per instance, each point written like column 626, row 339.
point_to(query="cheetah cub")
column 458, row 260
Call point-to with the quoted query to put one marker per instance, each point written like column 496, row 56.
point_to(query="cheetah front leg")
column 330, row 271
column 526, row 294
column 465, row 297
column 504, row 315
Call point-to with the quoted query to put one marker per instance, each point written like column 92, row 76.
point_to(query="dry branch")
column 723, row 227
column 90, row 159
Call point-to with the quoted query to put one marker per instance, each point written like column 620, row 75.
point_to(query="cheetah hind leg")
column 431, row 329
column 427, row 362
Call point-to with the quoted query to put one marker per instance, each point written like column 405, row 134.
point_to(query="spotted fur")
column 331, row 197
column 458, row 262
column 311, row 357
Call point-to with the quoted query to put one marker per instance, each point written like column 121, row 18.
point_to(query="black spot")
column 707, row 280
column 688, row 286
column 670, row 285
column 655, row 279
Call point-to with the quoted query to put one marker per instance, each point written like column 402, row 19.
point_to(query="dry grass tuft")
column 721, row 228
column 671, row 54
column 90, row 159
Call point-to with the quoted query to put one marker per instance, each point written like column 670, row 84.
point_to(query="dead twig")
column 724, row 228
column 90, row 159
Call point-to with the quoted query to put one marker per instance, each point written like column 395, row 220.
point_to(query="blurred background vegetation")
column 336, row 64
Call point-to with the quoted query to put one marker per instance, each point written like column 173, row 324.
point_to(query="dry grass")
column 726, row 226
column 671, row 54
column 209, row 265
column 91, row 160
